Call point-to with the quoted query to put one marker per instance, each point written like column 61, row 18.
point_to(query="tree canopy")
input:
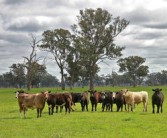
column 94, row 38
column 133, row 65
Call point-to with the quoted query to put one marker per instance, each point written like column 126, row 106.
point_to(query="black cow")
column 81, row 98
column 107, row 100
column 119, row 100
column 157, row 99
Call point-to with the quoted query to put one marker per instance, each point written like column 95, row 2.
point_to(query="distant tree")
column 94, row 38
column 133, row 67
column 47, row 80
column 9, row 79
column 163, row 77
column 153, row 79
column 39, row 71
column 157, row 78
column 18, row 72
column 58, row 43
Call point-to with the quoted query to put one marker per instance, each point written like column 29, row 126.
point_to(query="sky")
column 145, row 36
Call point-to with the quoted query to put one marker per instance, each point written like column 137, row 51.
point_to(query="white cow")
column 132, row 98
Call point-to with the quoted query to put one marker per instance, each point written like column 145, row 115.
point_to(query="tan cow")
column 32, row 101
column 132, row 98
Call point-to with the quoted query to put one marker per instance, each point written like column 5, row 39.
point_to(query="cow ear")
column 160, row 89
column 153, row 90
column 49, row 91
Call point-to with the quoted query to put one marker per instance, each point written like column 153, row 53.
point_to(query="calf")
column 157, row 99
column 95, row 98
column 33, row 101
column 132, row 98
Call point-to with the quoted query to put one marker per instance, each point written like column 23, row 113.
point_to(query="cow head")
column 18, row 92
column 124, row 91
column 157, row 90
column 113, row 95
column 46, row 94
column 103, row 95
column 92, row 92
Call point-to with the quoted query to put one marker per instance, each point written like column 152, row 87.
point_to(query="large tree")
column 57, row 42
column 94, row 38
column 31, row 63
column 133, row 65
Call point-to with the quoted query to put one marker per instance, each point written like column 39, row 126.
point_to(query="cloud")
column 145, row 36
column 25, row 25
column 14, row 2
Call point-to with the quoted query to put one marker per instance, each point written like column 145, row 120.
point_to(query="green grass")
column 81, row 124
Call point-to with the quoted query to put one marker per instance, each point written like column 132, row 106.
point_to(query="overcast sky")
column 145, row 36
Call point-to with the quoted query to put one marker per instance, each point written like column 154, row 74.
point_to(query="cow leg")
column 24, row 111
column 144, row 107
column 95, row 106
column 49, row 109
column 103, row 106
column 69, row 107
column 125, row 107
column 92, row 106
column 121, row 106
column 52, row 109
column 158, row 108
column 83, row 107
column 161, row 108
column 57, row 109
column 111, row 105
column 87, row 107
column 128, row 107
column 153, row 106
column 61, row 108
column 38, row 112
column 41, row 112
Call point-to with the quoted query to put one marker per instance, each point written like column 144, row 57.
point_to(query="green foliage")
column 58, row 43
column 79, row 124
column 133, row 66
column 94, row 38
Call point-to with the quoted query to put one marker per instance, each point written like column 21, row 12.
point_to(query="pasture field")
column 80, row 124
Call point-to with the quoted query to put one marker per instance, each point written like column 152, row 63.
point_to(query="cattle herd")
column 106, row 98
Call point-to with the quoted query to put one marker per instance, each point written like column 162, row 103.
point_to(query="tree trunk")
column 28, row 85
column 92, row 78
column 62, row 80
column 134, row 81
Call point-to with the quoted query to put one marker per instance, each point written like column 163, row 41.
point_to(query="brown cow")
column 95, row 98
column 32, row 101
column 58, row 99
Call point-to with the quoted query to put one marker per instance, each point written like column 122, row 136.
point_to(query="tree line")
column 78, row 52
